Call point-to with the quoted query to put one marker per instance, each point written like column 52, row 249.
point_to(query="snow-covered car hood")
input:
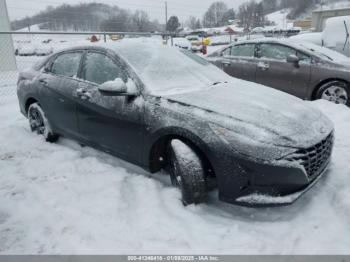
column 264, row 114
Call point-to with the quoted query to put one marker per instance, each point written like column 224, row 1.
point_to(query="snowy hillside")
column 279, row 18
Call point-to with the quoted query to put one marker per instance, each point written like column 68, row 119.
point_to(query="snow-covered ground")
column 279, row 18
column 65, row 199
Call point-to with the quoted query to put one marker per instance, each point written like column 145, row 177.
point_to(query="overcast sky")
column 155, row 8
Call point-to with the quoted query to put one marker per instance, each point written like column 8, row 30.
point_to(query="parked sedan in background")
column 162, row 107
column 302, row 69
column 196, row 42
column 181, row 42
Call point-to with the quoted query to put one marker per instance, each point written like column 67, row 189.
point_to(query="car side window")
column 304, row 58
column 246, row 50
column 66, row 64
column 276, row 52
column 226, row 52
column 99, row 68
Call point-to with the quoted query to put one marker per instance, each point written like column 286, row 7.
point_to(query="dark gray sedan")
column 161, row 107
column 302, row 69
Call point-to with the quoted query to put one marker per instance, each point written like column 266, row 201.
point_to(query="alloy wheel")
column 335, row 94
column 36, row 121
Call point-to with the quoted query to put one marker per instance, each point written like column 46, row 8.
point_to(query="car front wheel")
column 38, row 123
column 187, row 172
column 337, row 92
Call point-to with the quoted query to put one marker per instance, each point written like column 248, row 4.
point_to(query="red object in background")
column 205, row 50
column 94, row 39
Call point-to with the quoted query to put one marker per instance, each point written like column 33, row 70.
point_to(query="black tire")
column 337, row 92
column 38, row 123
column 186, row 172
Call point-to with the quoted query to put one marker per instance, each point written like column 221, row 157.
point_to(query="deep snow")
column 65, row 199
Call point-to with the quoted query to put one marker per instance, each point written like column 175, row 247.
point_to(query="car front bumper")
column 257, row 183
column 251, row 184
column 258, row 200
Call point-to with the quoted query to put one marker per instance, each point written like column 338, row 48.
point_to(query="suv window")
column 99, row 68
column 66, row 64
column 277, row 52
column 247, row 50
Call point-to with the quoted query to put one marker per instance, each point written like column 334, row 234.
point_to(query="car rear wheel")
column 337, row 92
column 186, row 172
column 38, row 123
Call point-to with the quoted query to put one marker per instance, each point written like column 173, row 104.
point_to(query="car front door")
column 59, row 82
column 114, row 123
column 239, row 61
column 273, row 69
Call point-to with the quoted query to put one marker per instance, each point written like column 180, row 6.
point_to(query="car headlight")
column 252, row 142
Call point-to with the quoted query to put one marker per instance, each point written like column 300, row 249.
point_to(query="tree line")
column 90, row 17
column 252, row 13
column 102, row 17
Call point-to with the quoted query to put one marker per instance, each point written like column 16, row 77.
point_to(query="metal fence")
column 26, row 48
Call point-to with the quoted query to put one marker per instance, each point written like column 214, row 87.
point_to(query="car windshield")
column 168, row 70
column 324, row 53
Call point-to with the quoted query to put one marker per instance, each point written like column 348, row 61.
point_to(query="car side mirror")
column 46, row 70
column 118, row 88
column 293, row 59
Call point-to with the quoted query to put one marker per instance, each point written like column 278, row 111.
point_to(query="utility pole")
column 166, row 15
column 166, row 21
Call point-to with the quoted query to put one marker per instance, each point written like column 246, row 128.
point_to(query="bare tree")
column 215, row 15
column 251, row 15
column 141, row 21
column 193, row 23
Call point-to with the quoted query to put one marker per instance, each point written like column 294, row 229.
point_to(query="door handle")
column 225, row 63
column 83, row 94
column 263, row 66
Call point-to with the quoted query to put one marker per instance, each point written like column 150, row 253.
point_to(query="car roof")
column 264, row 40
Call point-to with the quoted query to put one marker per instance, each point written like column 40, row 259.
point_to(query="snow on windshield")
column 167, row 70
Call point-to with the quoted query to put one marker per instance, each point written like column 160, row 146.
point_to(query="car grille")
column 316, row 158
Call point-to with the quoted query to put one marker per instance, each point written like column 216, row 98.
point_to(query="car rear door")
column 58, row 87
column 273, row 70
column 112, row 123
column 239, row 61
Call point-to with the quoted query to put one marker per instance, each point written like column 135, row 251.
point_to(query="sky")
column 155, row 8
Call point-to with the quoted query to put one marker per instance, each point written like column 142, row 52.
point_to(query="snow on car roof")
column 165, row 70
